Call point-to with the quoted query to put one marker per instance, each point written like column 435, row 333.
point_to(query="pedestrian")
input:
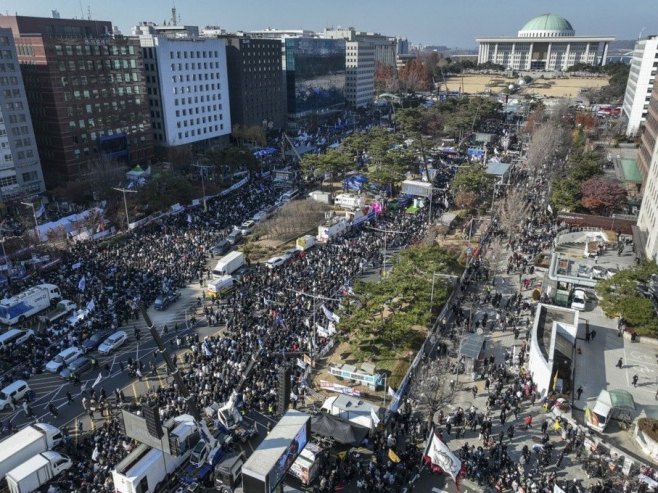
column 620, row 363
column 69, row 397
column 579, row 392
column 635, row 379
column 593, row 334
column 138, row 372
column 474, row 390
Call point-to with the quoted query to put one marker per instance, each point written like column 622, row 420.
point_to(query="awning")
column 472, row 346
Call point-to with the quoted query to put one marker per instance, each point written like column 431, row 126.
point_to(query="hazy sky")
column 443, row 22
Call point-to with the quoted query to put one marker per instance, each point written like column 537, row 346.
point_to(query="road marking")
column 436, row 490
column 134, row 390
column 55, row 394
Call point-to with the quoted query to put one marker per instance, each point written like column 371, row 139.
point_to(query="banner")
column 82, row 284
column 375, row 418
column 330, row 315
column 341, row 389
column 393, row 456
column 98, row 380
column 438, row 455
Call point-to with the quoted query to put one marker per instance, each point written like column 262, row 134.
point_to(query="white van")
column 17, row 390
column 63, row 359
column 15, row 337
column 289, row 195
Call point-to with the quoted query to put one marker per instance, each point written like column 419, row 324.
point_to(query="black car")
column 76, row 368
column 163, row 301
column 94, row 340
column 221, row 248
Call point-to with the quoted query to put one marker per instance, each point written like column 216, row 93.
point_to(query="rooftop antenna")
column 88, row 12
column 639, row 36
column 173, row 15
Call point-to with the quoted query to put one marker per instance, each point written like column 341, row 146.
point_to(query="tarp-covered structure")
column 342, row 431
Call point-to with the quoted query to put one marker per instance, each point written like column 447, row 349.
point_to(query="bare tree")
column 549, row 145
column 496, row 253
column 514, row 211
column 294, row 219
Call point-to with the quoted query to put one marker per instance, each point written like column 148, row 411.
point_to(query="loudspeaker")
column 284, row 391
column 153, row 424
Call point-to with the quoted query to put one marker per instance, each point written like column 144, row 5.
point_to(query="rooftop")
column 546, row 25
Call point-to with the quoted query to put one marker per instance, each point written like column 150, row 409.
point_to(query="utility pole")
column 125, row 203
column 385, row 231
column 203, row 168
column 36, row 223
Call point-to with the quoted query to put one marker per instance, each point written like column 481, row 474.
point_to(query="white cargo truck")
column 37, row 471
column 228, row 264
column 332, row 229
column 349, row 201
column 30, row 302
column 28, row 442
column 220, row 285
column 62, row 308
column 146, row 467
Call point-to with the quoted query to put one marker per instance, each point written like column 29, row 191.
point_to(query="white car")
column 246, row 227
column 113, row 342
column 275, row 262
column 579, row 300
column 62, row 360
column 260, row 216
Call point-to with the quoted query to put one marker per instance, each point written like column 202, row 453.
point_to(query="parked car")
column 76, row 368
column 247, row 227
column 92, row 342
column 113, row 342
column 260, row 216
column 163, row 301
column 221, row 248
column 275, row 262
column 64, row 358
column 598, row 272
column 235, row 237
column 579, row 300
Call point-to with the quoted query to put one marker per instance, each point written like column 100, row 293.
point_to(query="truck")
column 305, row 242
column 349, row 201
column 228, row 264
column 610, row 404
column 220, row 285
column 28, row 303
column 37, row 471
column 62, row 308
column 26, row 443
column 145, row 467
column 331, row 229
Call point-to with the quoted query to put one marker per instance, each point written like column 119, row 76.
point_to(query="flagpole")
column 385, row 390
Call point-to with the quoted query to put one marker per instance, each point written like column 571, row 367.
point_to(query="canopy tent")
column 138, row 173
column 342, row 431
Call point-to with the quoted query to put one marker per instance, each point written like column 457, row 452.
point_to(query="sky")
column 453, row 23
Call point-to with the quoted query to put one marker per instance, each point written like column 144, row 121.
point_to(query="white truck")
column 30, row 302
column 220, row 285
column 28, row 442
column 228, row 264
column 62, row 308
column 37, row 471
column 349, row 201
column 145, row 467
column 333, row 228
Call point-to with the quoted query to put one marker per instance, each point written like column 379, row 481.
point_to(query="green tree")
column 565, row 195
column 473, row 179
column 416, row 124
column 163, row 190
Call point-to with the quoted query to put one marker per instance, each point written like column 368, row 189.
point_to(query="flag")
column 438, row 455
column 98, row 380
column 330, row 315
column 189, row 219
column 82, row 283
column 555, row 380
column 40, row 211
column 392, row 393
column 591, row 417
column 550, row 209
column 375, row 418
column 393, row 457
column 91, row 305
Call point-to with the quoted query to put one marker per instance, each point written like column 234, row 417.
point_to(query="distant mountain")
column 622, row 44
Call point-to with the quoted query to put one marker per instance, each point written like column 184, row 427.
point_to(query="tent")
column 342, row 431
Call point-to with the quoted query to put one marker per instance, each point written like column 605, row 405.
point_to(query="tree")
column 417, row 122
column 513, row 213
column 466, row 200
column 602, row 195
column 475, row 180
column 565, row 195
column 163, row 190
column 414, row 77
column 385, row 78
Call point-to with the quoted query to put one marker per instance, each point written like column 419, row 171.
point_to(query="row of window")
column 7, row 67
column 206, row 54
column 186, row 78
column 199, row 88
column 201, row 131
column 96, row 65
column 195, row 66
column 195, row 111
column 103, row 93
column 80, row 50
column 191, row 122
column 183, row 101
column 11, row 93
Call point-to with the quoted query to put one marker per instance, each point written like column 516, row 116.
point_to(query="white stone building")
column 640, row 83
column 187, row 87
column 546, row 43
column 20, row 167
column 359, row 73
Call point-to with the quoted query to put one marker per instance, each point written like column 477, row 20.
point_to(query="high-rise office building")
column 641, row 79
column 647, row 221
column 87, row 95
column 315, row 75
column 187, row 86
column 256, row 82
column 20, row 167
column 360, row 73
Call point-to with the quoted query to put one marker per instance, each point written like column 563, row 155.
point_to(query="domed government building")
column 547, row 42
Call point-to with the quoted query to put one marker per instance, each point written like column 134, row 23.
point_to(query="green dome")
column 547, row 25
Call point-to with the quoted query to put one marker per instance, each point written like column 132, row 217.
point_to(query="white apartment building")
column 359, row 73
column 640, row 83
column 187, row 87
column 20, row 167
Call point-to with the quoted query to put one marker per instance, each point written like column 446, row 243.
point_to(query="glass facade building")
column 315, row 74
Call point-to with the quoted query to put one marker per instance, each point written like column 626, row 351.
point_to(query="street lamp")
column 434, row 276
column 203, row 168
column 36, row 224
column 125, row 203
column 385, row 231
